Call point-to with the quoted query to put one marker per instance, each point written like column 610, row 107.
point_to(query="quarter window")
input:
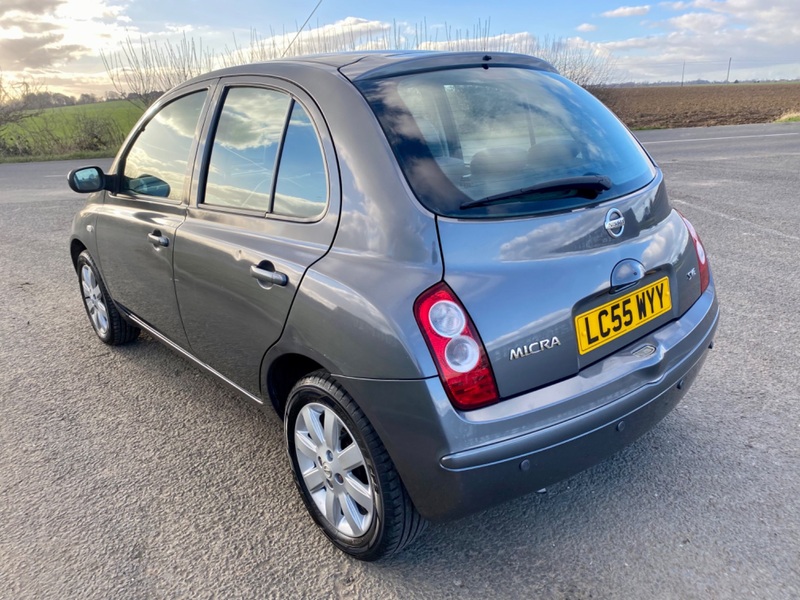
column 156, row 163
column 302, row 186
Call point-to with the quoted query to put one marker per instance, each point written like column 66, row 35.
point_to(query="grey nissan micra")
column 455, row 277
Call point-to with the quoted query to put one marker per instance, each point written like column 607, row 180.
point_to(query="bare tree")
column 14, row 101
column 582, row 63
column 142, row 71
column 17, row 104
column 577, row 60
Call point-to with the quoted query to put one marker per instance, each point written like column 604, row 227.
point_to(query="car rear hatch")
column 552, row 294
column 555, row 228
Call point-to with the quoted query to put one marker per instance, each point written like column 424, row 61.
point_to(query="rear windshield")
column 502, row 141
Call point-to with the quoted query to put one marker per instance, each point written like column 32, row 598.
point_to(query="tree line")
column 40, row 100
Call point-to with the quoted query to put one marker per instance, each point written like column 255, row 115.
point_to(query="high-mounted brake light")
column 702, row 259
column 456, row 348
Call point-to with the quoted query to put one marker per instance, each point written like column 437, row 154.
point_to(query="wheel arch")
column 75, row 248
column 282, row 373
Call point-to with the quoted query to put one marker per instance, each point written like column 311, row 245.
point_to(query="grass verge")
column 790, row 117
column 85, row 131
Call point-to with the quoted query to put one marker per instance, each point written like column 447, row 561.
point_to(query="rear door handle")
column 267, row 275
column 157, row 239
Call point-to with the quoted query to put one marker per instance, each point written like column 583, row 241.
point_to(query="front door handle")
column 267, row 275
column 157, row 239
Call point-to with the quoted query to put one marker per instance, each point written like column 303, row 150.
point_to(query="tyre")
column 108, row 324
column 345, row 476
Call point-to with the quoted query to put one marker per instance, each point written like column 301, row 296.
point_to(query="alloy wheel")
column 93, row 298
column 333, row 470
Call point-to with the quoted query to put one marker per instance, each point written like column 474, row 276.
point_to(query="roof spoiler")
column 381, row 66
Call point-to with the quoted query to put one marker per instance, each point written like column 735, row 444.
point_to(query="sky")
column 59, row 42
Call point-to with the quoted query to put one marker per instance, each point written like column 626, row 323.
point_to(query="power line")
column 301, row 28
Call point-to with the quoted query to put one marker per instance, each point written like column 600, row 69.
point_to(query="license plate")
column 620, row 316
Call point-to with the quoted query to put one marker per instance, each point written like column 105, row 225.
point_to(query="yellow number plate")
column 614, row 319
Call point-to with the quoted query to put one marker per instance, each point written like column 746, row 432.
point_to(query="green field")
column 83, row 131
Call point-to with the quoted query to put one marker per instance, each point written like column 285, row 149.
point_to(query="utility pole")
column 683, row 72
column 728, row 76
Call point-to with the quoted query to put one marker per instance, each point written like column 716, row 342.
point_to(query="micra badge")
column 534, row 348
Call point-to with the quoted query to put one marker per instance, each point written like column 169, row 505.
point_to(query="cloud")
column 702, row 23
column 773, row 23
column 351, row 33
column 637, row 43
column 762, row 40
column 522, row 42
column 179, row 28
column 36, row 52
column 586, row 27
column 41, row 38
column 35, row 7
column 626, row 11
column 26, row 25
column 702, row 56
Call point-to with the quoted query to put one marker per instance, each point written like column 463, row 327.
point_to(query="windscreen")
column 500, row 141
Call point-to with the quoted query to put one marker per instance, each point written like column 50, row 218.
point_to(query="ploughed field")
column 702, row 105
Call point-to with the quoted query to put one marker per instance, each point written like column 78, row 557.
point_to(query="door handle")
column 157, row 239
column 266, row 274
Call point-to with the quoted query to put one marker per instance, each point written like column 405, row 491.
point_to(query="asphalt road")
column 127, row 473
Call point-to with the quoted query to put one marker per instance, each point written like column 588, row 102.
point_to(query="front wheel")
column 108, row 324
column 345, row 476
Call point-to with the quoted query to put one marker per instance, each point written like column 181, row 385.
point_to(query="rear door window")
column 245, row 151
column 266, row 157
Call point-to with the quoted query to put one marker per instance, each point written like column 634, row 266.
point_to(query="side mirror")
column 87, row 179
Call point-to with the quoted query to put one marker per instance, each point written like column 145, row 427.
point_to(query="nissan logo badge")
column 615, row 223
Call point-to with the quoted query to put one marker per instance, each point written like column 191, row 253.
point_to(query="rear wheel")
column 345, row 476
column 108, row 324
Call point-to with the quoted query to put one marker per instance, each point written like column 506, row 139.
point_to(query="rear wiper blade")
column 584, row 183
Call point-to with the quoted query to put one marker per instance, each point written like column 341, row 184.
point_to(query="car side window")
column 302, row 187
column 156, row 162
column 246, row 143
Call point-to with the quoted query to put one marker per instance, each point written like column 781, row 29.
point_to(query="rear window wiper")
column 584, row 183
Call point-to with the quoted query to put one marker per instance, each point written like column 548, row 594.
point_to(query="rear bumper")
column 535, row 460
column 456, row 463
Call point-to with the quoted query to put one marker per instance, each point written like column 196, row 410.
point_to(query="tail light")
column 456, row 348
column 702, row 259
